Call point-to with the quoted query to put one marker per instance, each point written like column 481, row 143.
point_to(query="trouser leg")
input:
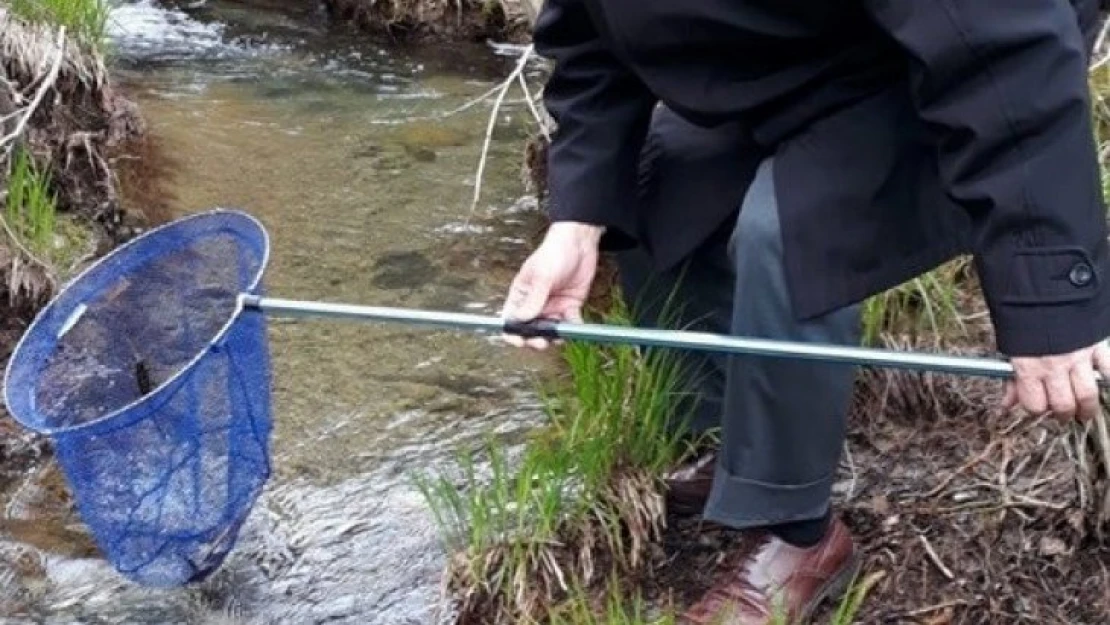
column 697, row 296
column 784, row 420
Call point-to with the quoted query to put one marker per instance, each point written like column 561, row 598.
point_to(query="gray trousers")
column 782, row 422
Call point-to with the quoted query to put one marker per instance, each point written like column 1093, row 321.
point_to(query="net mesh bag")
column 153, row 384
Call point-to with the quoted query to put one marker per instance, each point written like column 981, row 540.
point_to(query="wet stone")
column 430, row 135
column 367, row 150
column 403, row 270
column 389, row 161
column 421, row 154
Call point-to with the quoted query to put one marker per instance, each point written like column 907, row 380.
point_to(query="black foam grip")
column 536, row 328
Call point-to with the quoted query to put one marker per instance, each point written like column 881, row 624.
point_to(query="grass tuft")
column 926, row 305
column 85, row 20
column 614, row 608
column 584, row 500
column 30, row 209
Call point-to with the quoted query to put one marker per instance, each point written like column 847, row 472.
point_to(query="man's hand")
column 1064, row 384
column 555, row 280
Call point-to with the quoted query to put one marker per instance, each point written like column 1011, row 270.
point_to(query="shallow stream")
column 339, row 147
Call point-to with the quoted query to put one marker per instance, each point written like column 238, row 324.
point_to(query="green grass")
column 612, row 609
column 61, row 242
column 30, row 210
column 583, row 500
column 926, row 305
column 1099, row 82
column 85, row 20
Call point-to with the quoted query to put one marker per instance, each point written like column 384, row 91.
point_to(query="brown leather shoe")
column 779, row 584
column 688, row 486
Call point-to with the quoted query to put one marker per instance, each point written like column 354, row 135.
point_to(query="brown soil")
column 143, row 167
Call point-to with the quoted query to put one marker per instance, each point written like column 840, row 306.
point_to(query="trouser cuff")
column 743, row 503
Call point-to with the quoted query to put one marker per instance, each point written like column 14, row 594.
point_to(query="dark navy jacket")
column 904, row 132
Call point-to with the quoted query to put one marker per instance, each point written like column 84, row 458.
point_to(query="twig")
column 933, row 608
column 528, row 98
column 854, row 472
column 1100, row 42
column 4, row 119
column 441, row 116
column 8, row 140
column 521, row 64
column 999, row 506
column 1102, row 440
column 1051, row 451
column 953, row 475
column 935, row 558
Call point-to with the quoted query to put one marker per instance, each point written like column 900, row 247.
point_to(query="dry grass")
column 975, row 515
column 85, row 20
column 62, row 124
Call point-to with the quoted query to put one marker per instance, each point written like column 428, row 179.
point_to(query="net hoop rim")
column 185, row 369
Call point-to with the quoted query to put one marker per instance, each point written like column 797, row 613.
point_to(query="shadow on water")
column 326, row 138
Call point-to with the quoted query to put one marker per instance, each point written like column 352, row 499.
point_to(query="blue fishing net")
column 154, row 385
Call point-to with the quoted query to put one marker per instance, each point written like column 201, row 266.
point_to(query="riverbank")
column 76, row 171
column 439, row 20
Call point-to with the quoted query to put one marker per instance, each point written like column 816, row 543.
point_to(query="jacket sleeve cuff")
column 1048, row 300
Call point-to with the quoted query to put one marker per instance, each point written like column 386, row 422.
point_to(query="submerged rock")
column 403, row 270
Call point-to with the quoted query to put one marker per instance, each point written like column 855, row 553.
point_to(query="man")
column 789, row 158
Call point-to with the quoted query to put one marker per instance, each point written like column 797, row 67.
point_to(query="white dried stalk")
column 45, row 86
column 516, row 74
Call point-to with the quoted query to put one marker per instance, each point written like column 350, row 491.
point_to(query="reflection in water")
column 270, row 113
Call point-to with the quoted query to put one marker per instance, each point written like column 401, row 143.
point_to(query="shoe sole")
column 832, row 589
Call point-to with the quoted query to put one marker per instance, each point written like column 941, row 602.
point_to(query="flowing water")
column 339, row 147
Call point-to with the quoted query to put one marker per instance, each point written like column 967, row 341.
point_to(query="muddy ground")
column 969, row 515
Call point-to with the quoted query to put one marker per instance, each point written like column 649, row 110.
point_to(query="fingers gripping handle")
column 534, row 329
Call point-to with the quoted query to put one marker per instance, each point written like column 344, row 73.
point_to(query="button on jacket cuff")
column 1049, row 300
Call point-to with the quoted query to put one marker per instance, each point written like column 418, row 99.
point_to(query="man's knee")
column 758, row 233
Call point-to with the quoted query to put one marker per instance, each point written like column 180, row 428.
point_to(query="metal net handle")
column 645, row 337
